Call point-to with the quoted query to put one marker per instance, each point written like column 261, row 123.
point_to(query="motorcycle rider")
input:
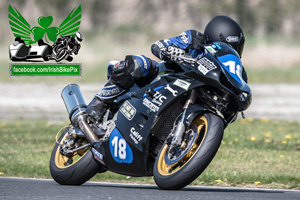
column 140, row 70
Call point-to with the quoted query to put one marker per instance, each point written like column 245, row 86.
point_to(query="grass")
column 274, row 75
column 254, row 153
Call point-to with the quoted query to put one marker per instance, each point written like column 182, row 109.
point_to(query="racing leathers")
column 189, row 42
column 134, row 69
column 140, row 70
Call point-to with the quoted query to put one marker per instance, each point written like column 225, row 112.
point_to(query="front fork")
column 180, row 128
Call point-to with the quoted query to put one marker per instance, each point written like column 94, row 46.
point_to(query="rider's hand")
column 164, row 55
column 175, row 51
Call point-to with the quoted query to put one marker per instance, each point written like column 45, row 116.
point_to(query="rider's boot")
column 103, row 100
column 95, row 109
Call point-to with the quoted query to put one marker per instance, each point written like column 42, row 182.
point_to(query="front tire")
column 173, row 171
column 75, row 169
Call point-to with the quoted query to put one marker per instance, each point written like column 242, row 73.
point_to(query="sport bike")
column 170, row 129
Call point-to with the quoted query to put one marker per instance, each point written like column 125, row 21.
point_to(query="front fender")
column 194, row 110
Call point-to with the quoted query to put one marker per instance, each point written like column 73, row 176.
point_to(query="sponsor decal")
column 184, row 37
column 150, row 105
column 119, row 149
column 210, row 49
column 158, row 98
column 160, row 45
column 216, row 45
column 135, row 136
column 98, row 156
column 232, row 39
column 205, row 65
column 109, row 92
column 174, row 92
column 128, row 110
column 182, row 84
column 144, row 61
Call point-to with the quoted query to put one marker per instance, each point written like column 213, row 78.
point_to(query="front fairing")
column 233, row 71
column 228, row 62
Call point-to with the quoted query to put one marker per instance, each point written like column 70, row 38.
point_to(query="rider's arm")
column 188, row 40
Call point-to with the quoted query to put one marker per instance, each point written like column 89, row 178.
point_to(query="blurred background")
column 113, row 29
column 264, row 148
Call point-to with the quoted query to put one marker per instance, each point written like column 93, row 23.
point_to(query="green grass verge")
column 254, row 153
column 274, row 75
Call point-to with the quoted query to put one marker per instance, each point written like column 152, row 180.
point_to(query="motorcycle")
column 170, row 129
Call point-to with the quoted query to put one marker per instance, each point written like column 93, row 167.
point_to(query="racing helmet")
column 78, row 37
column 225, row 29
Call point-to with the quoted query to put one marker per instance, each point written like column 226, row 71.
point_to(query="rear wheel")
column 73, row 169
column 176, row 167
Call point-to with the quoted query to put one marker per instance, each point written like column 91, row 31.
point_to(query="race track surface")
column 41, row 189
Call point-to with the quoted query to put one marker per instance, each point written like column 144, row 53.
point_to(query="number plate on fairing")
column 119, row 149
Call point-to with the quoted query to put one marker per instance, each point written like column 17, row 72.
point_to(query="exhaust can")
column 73, row 100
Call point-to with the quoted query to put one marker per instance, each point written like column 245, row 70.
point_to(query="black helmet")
column 225, row 29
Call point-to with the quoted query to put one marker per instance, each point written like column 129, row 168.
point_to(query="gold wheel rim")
column 165, row 169
column 61, row 161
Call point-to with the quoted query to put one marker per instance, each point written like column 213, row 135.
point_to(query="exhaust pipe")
column 73, row 100
column 76, row 106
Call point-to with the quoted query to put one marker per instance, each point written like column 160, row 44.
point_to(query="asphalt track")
column 43, row 189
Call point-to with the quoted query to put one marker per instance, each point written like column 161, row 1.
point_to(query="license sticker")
column 182, row 84
column 128, row 110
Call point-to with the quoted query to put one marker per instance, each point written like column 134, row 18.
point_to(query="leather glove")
column 172, row 51
column 121, row 75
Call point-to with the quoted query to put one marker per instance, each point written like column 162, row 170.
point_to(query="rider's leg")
column 111, row 90
column 101, row 101
column 122, row 76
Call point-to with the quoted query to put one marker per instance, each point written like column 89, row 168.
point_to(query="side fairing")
column 126, row 151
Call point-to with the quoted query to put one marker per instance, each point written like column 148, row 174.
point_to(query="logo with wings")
column 21, row 28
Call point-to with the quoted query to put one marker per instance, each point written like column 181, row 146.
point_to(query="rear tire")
column 75, row 173
column 198, row 154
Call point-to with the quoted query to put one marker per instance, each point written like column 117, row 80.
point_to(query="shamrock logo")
column 21, row 28
column 50, row 33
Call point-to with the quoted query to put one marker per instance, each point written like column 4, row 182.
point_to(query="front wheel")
column 74, row 169
column 176, row 167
